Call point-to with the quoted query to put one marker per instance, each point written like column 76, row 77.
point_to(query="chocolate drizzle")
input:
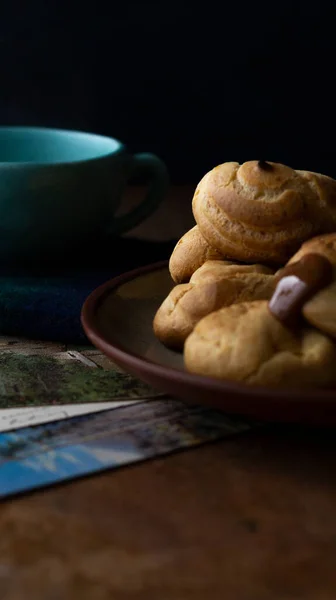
column 266, row 166
column 298, row 282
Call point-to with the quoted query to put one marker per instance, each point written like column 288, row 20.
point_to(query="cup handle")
column 153, row 167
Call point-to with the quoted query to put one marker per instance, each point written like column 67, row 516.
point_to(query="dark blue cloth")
column 47, row 305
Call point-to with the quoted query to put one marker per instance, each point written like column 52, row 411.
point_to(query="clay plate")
column 117, row 318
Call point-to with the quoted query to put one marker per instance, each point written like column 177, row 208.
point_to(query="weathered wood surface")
column 250, row 518
column 42, row 373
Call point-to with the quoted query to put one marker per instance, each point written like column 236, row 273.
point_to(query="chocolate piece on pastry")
column 245, row 343
column 320, row 309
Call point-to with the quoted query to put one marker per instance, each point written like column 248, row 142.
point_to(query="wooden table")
column 250, row 518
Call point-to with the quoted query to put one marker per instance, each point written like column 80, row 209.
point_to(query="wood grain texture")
column 248, row 519
column 251, row 518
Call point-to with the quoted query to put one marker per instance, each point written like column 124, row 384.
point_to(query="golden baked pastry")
column 296, row 284
column 245, row 343
column 321, row 244
column 320, row 310
column 262, row 211
column 214, row 285
column 190, row 252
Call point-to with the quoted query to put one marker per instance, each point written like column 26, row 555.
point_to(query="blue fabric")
column 48, row 305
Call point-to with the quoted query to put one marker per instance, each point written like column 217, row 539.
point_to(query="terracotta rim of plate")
column 115, row 351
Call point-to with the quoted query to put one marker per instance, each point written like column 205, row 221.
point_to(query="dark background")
column 197, row 84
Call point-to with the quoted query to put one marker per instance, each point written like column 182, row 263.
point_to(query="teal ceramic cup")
column 60, row 190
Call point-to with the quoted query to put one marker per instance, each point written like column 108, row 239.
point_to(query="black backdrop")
column 197, row 84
